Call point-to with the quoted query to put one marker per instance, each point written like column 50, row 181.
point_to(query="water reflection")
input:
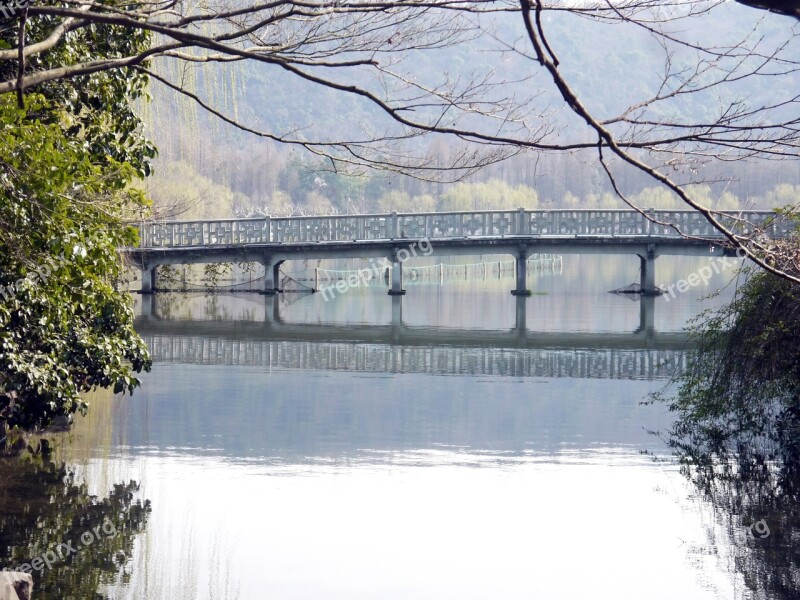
column 746, row 464
column 43, row 505
column 457, row 444
column 397, row 348
column 174, row 306
column 294, row 393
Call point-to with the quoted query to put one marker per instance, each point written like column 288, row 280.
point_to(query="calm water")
column 451, row 445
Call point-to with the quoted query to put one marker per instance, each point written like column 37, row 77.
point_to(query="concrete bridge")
column 397, row 237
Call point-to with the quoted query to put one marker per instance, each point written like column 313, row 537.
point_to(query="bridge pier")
column 397, row 275
column 522, row 273
column 148, row 279
column 647, row 275
column 276, row 275
column 270, row 275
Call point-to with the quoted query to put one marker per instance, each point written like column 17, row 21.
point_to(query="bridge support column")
column 270, row 286
column 397, row 276
column 647, row 279
column 276, row 275
column 522, row 273
column 148, row 279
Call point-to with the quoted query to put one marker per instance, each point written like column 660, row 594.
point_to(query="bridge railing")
column 170, row 234
column 742, row 223
column 442, row 225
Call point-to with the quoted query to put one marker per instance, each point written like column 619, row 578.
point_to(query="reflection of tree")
column 746, row 465
column 172, row 305
column 738, row 429
column 751, row 480
column 42, row 506
column 753, row 488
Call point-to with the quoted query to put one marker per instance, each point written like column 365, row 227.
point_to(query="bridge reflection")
column 397, row 348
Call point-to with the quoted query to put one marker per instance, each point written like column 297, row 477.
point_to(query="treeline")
column 267, row 180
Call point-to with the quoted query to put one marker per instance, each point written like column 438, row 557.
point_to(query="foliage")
column 230, row 188
column 403, row 202
column 168, row 276
column 184, row 193
column 100, row 104
column 64, row 328
column 212, row 272
column 746, row 365
column 492, row 194
column 737, row 431
column 68, row 159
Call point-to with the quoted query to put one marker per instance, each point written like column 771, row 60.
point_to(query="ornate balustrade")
column 180, row 234
column 490, row 223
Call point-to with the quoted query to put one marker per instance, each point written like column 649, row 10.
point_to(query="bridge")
column 397, row 237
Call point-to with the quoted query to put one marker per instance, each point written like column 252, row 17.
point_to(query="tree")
column 64, row 328
column 737, row 425
column 69, row 152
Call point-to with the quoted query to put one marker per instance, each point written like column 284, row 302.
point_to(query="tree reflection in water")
column 42, row 505
column 746, row 463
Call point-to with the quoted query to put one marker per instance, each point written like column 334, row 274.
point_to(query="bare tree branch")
column 23, row 22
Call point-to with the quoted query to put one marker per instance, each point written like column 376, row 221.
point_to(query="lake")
column 456, row 443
